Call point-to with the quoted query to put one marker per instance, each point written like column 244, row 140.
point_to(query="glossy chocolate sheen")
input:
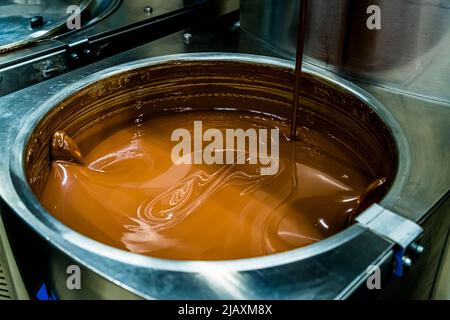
column 345, row 160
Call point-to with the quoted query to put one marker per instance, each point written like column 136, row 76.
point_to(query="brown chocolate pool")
column 101, row 160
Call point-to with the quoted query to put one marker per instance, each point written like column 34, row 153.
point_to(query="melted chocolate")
column 127, row 192
column 303, row 5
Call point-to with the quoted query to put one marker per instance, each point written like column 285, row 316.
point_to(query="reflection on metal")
column 25, row 22
column 409, row 52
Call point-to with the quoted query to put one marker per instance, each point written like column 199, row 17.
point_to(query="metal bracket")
column 80, row 53
column 397, row 229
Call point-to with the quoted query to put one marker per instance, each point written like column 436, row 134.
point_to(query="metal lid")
column 26, row 21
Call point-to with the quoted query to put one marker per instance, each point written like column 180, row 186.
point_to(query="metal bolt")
column 148, row 10
column 417, row 248
column 407, row 261
column 36, row 22
column 75, row 56
column 187, row 38
column 87, row 52
column 235, row 27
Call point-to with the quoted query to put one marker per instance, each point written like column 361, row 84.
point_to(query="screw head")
column 187, row 38
column 417, row 248
column 148, row 10
column 407, row 261
column 235, row 27
column 75, row 56
column 87, row 52
column 36, row 22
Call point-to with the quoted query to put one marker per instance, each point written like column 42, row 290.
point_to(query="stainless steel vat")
column 112, row 273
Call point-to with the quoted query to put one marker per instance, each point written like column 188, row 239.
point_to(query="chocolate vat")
column 197, row 81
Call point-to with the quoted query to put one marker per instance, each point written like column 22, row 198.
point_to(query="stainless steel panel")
column 409, row 53
column 442, row 288
column 11, row 284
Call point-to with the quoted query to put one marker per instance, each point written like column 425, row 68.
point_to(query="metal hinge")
column 397, row 229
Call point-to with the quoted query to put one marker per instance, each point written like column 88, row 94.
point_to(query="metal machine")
column 31, row 55
column 400, row 73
